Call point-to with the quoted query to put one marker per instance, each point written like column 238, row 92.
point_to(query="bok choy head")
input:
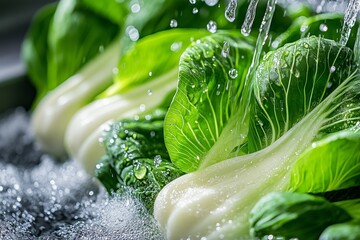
column 72, row 50
column 301, row 92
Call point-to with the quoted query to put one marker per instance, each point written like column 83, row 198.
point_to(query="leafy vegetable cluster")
column 214, row 146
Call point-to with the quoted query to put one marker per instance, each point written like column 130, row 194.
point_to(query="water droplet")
column 233, row 73
column 332, row 69
column 173, row 23
column 249, row 17
column 275, row 44
column 225, row 50
column 157, row 160
column 304, row 28
column 142, row 107
column 149, row 92
column 192, row 1
column 323, row 27
column 195, row 10
column 133, row 33
column 176, row 46
column 230, row 12
column 211, row 26
column 101, row 48
column 150, row 74
column 297, row 73
column 211, row 2
column 209, row 53
column 135, row 8
column 140, row 172
column 329, row 85
column 245, row 31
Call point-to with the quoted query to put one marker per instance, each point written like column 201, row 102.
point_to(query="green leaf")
column 326, row 25
column 329, row 164
column 153, row 57
column 294, row 215
column 35, row 47
column 114, row 10
column 292, row 81
column 342, row 231
column 76, row 35
column 211, row 79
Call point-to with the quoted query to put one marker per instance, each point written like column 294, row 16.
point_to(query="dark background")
column 15, row 87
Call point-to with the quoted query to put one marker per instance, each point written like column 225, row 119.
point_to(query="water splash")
column 351, row 13
column 261, row 39
column 263, row 35
column 43, row 199
column 249, row 18
column 230, row 12
column 357, row 47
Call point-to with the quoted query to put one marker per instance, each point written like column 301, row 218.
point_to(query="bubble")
column 233, row 73
column 173, row 23
column 195, row 10
column 211, row 26
column 149, row 92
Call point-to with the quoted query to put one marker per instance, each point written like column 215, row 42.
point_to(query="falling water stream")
column 249, row 18
column 349, row 20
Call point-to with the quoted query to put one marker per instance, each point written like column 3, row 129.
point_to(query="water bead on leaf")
column 323, row 27
column 233, row 73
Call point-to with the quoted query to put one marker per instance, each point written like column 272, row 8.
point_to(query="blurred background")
column 15, row 17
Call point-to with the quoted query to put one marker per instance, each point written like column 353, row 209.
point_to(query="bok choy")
column 213, row 145
column 295, row 98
